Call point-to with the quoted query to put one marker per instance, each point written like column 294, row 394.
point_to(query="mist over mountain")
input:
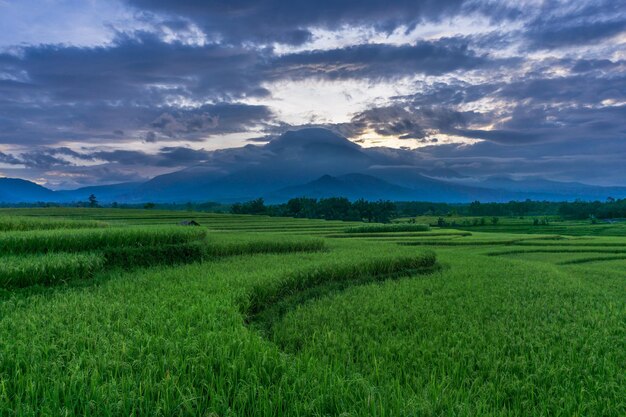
column 316, row 163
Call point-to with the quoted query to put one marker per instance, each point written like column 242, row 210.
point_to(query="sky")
column 107, row 91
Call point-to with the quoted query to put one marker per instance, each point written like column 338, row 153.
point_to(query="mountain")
column 104, row 193
column 536, row 188
column 352, row 186
column 314, row 163
column 15, row 190
column 293, row 158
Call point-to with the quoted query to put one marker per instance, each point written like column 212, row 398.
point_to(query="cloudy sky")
column 105, row 91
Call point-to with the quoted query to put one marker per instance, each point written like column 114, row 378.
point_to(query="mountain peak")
column 16, row 190
column 310, row 137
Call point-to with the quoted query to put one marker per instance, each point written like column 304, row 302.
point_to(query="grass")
column 385, row 228
column 165, row 254
column 346, row 270
column 94, row 239
column 22, row 223
column 232, row 246
column 269, row 317
column 22, row 271
column 521, row 351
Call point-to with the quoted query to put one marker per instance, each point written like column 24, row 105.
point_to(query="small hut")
column 189, row 223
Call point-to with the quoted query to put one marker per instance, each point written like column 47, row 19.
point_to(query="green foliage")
column 23, row 271
column 333, row 208
column 610, row 209
column 251, row 207
column 22, row 223
column 94, row 239
column 263, row 246
column 163, row 254
column 271, row 317
column 348, row 270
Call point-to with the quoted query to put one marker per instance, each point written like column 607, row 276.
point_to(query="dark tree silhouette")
column 93, row 201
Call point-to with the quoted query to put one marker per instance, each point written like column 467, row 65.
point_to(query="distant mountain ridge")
column 15, row 190
column 351, row 186
column 311, row 163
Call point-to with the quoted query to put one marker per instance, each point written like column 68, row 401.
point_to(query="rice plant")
column 94, row 239
column 249, row 315
column 22, row 223
column 386, row 228
column 27, row 270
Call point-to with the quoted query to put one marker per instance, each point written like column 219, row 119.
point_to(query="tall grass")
column 385, row 228
column 376, row 268
column 17, row 223
column 220, row 249
column 26, row 270
column 142, row 256
column 479, row 336
column 95, row 239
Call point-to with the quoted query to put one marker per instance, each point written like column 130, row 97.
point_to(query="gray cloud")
column 577, row 23
column 378, row 61
column 290, row 22
column 409, row 123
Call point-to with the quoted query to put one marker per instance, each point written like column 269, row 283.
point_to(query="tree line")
column 609, row 209
column 333, row 208
column 339, row 208
column 574, row 210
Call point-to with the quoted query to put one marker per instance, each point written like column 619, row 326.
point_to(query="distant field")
column 107, row 312
column 526, row 225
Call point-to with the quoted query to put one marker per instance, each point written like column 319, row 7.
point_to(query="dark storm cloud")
column 37, row 124
column 70, row 93
column 138, row 67
column 579, row 107
column 580, row 89
column 587, row 65
column 599, row 161
column 59, row 93
column 575, row 23
column 381, row 61
column 166, row 157
column 214, row 119
column 409, row 123
column 9, row 159
column 290, row 22
column 122, row 165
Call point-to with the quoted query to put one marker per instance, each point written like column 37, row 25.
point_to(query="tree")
column 336, row 208
column 475, row 208
column 93, row 201
column 255, row 206
column 302, row 207
column 236, row 208
column 251, row 207
column 149, row 206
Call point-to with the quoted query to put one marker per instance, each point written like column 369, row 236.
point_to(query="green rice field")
column 120, row 312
